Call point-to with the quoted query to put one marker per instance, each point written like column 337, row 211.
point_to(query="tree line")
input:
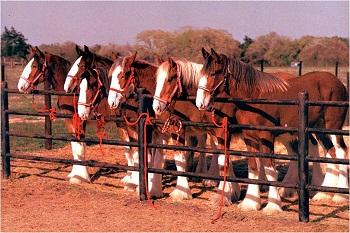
column 277, row 50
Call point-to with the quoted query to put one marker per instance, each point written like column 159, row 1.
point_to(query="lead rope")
column 147, row 122
column 52, row 111
column 76, row 120
column 223, row 125
column 101, row 132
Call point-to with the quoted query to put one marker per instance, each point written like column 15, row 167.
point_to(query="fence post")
column 303, row 165
column 5, row 139
column 48, row 123
column 336, row 68
column 262, row 65
column 141, row 134
column 300, row 67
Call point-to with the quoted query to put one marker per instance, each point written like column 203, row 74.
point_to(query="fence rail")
column 301, row 130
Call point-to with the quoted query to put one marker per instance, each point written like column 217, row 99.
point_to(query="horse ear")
column 47, row 56
column 86, row 49
column 134, row 56
column 172, row 62
column 79, row 51
column 158, row 59
column 205, row 53
column 214, row 54
column 114, row 56
column 38, row 52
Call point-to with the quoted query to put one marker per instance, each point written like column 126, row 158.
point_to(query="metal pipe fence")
column 302, row 131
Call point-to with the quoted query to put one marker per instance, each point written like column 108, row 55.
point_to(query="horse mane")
column 60, row 60
column 103, row 76
column 101, row 60
column 144, row 63
column 249, row 79
column 190, row 71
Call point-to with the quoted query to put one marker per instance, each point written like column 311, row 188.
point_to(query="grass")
column 24, row 103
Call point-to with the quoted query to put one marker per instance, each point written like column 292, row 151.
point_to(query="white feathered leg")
column 79, row 173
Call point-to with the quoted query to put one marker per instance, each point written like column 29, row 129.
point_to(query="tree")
column 247, row 41
column 13, row 44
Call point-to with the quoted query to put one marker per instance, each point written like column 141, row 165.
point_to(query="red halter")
column 130, row 81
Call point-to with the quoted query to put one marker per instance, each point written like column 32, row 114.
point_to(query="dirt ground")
column 38, row 197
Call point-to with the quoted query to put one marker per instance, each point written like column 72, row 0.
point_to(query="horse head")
column 84, row 61
column 168, row 85
column 34, row 72
column 122, row 81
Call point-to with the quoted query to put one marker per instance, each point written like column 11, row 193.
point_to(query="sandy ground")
column 38, row 197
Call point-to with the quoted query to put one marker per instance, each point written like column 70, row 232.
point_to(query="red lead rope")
column 223, row 125
column 52, row 111
column 147, row 122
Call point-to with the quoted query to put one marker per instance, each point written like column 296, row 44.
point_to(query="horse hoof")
column 78, row 180
column 179, row 195
column 272, row 208
column 321, row 196
column 210, row 183
column 130, row 187
column 249, row 205
column 340, row 198
column 286, row 192
column 126, row 179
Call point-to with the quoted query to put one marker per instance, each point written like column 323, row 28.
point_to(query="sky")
column 103, row 22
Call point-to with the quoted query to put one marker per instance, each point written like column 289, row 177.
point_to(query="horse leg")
column 231, row 190
column 155, row 180
column 214, row 166
column 331, row 176
column 252, row 200
column 182, row 190
column 79, row 173
column 125, row 137
column 202, row 162
column 341, row 150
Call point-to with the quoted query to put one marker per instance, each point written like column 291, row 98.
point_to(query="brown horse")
column 46, row 66
column 221, row 74
column 180, row 78
column 94, row 69
column 140, row 74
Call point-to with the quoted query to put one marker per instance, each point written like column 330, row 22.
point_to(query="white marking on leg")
column 79, row 172
column 23, row 81
column 182, row 190
column 155, row 184
column 274, row 200
column 343, row 172
column 251, row 201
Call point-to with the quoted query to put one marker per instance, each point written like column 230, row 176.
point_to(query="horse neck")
column 59, row 75
column 146, row 77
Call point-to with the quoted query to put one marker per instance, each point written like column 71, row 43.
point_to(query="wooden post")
column 262, row 65
column 5, row 139
column 300, row 67
column 336, row 68
column 141, row 133
column 48, row 123
column 303, row 165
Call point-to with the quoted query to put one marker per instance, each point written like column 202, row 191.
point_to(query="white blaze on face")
column 72, row 72
column 113, row 96
column 158, row 106
column 23, row 81
column 83, row 110
column 202, row 101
